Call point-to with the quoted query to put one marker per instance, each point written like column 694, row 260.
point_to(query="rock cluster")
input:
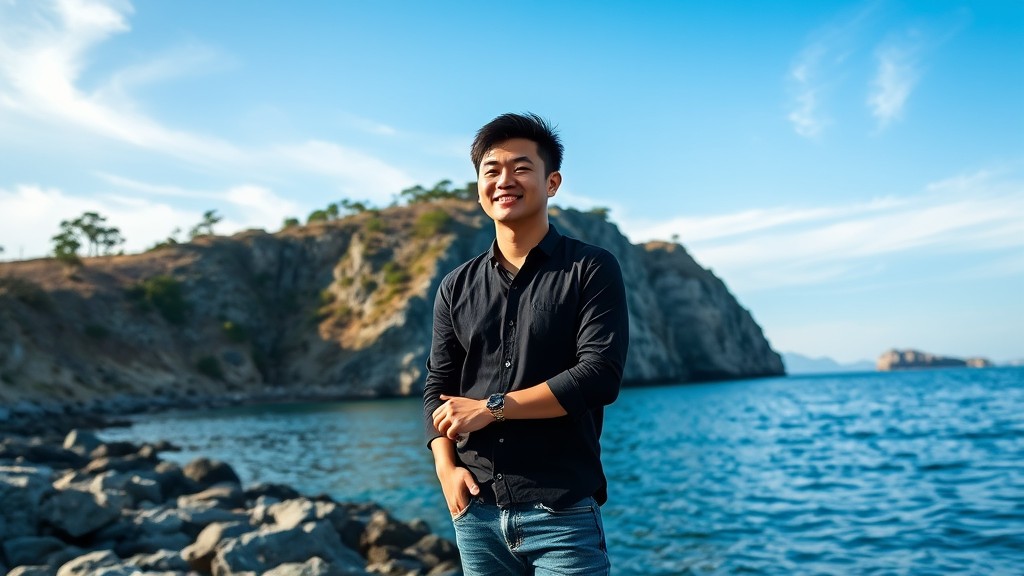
column 89, row 508
column 894, row 359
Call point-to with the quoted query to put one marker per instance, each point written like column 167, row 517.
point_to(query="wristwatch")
column 496, row 404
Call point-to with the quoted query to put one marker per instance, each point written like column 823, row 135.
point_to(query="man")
column 528, row 346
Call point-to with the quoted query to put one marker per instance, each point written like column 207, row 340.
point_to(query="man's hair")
column 528, row 126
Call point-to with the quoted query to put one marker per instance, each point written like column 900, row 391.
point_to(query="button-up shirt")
column 561, row 319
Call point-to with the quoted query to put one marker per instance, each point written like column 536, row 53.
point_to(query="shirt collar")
column 546, row 245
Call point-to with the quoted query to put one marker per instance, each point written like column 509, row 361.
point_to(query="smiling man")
column 528, row 347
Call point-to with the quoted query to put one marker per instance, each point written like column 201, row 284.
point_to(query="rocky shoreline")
column 83, row 507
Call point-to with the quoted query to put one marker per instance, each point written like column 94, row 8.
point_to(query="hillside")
column 339, row 309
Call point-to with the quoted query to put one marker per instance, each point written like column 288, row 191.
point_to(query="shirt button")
column 501, row 440
column 508, row 363
column 511, row 322
column 498, row 477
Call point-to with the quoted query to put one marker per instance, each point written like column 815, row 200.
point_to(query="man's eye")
column 491, row 173
column 522, row 168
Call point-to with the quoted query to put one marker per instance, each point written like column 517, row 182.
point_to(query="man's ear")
column 554, row 181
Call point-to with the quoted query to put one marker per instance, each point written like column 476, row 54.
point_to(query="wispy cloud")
column 895, row 78
column 44, row 52
column 813, row 72
column 767, row 248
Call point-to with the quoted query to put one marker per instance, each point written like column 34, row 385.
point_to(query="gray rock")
column 32, row 571
column 200, row 553
column 383, row 530
column 270, row 547
column 114, row 450
column 167, row 560
column 170, row 478
column 135, row 486
column 434, row 550
column 298, row 511
column 22, row 489
column 101, row 562
column 206, row 472
column 82, row 442
column 224, row 495
column 77, row 513
column 199, row 515
column 28, row 550
column 279, row 492
column 315, row 566
column 152, row 543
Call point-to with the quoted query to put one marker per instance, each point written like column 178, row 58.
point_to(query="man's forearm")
column 536, row 402
column 444, row 453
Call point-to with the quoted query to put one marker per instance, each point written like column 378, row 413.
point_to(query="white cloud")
column 358, row 174
column 30, row 215
column 894, row 80
column 768, row 248
column 44, row 49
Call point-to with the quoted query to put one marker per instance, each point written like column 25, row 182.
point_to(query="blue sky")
column 853, row 171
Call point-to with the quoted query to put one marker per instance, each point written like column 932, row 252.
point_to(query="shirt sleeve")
column 444, row 364
column 601, row 341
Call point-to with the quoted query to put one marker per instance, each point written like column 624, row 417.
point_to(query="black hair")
column 528, row 126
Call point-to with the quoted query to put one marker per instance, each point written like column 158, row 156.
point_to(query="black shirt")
column 562, row 320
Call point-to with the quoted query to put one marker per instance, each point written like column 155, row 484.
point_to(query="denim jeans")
column 531, row 539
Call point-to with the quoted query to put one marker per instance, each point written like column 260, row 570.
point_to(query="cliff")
column 910, row 359
column 339, row 308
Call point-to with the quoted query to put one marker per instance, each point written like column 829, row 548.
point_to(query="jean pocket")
column 462, row 513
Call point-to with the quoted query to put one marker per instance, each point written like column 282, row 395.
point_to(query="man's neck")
column 514, row 243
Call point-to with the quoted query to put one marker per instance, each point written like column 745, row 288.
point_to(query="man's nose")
column 505, row 179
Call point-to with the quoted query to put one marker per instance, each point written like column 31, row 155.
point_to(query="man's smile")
column 507, row 198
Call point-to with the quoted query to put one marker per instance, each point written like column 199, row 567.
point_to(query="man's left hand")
column 460, row 415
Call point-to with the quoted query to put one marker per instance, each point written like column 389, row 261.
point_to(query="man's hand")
column 457, row 484
column 461, row 416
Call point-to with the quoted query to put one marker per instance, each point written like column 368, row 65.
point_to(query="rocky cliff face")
column 332, row 309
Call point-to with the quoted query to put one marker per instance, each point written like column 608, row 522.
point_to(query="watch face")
column 495, row 401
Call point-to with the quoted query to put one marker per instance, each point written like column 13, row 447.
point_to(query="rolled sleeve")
column 601, row 342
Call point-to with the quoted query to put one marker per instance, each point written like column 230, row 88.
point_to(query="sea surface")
column 873, row 473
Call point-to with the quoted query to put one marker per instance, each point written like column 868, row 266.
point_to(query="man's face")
column 512, row 184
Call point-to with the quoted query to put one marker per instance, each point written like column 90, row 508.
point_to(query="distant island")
column 908, row 359
column 800, row 364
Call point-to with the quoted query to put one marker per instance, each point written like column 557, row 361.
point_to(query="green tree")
column 66, row 244
column 290, row 222
column 317, row 216
column 332, row 211
column 354, row 207
column 205, row 226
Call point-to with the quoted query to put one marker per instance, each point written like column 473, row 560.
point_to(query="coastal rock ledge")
column 912, row 359
column 89, row 508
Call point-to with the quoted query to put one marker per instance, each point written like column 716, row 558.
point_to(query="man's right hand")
column 457, row 483
column 458, row 486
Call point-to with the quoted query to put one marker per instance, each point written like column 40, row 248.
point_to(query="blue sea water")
column 873, row 473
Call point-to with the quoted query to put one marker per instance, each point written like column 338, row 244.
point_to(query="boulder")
column 22, row 490
column 225, row 495
column 279, row 492
column 206, row 472
column 135, row 486
column 315, row 566
column 77, row 512
column 29, row 550
column 101, row 562
column 200, row 553
column 32, row 571
column 82, row 442
column 434, row 550
column 383, row 530
column 270, row 547
column 163, row 560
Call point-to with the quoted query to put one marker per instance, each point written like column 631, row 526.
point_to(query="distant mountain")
column 799, row 364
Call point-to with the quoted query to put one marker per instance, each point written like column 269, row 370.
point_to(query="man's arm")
column 444, row 364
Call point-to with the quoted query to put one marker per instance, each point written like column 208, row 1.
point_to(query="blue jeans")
column 531, row 539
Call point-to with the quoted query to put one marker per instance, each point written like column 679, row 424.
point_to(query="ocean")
column 918, row 472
